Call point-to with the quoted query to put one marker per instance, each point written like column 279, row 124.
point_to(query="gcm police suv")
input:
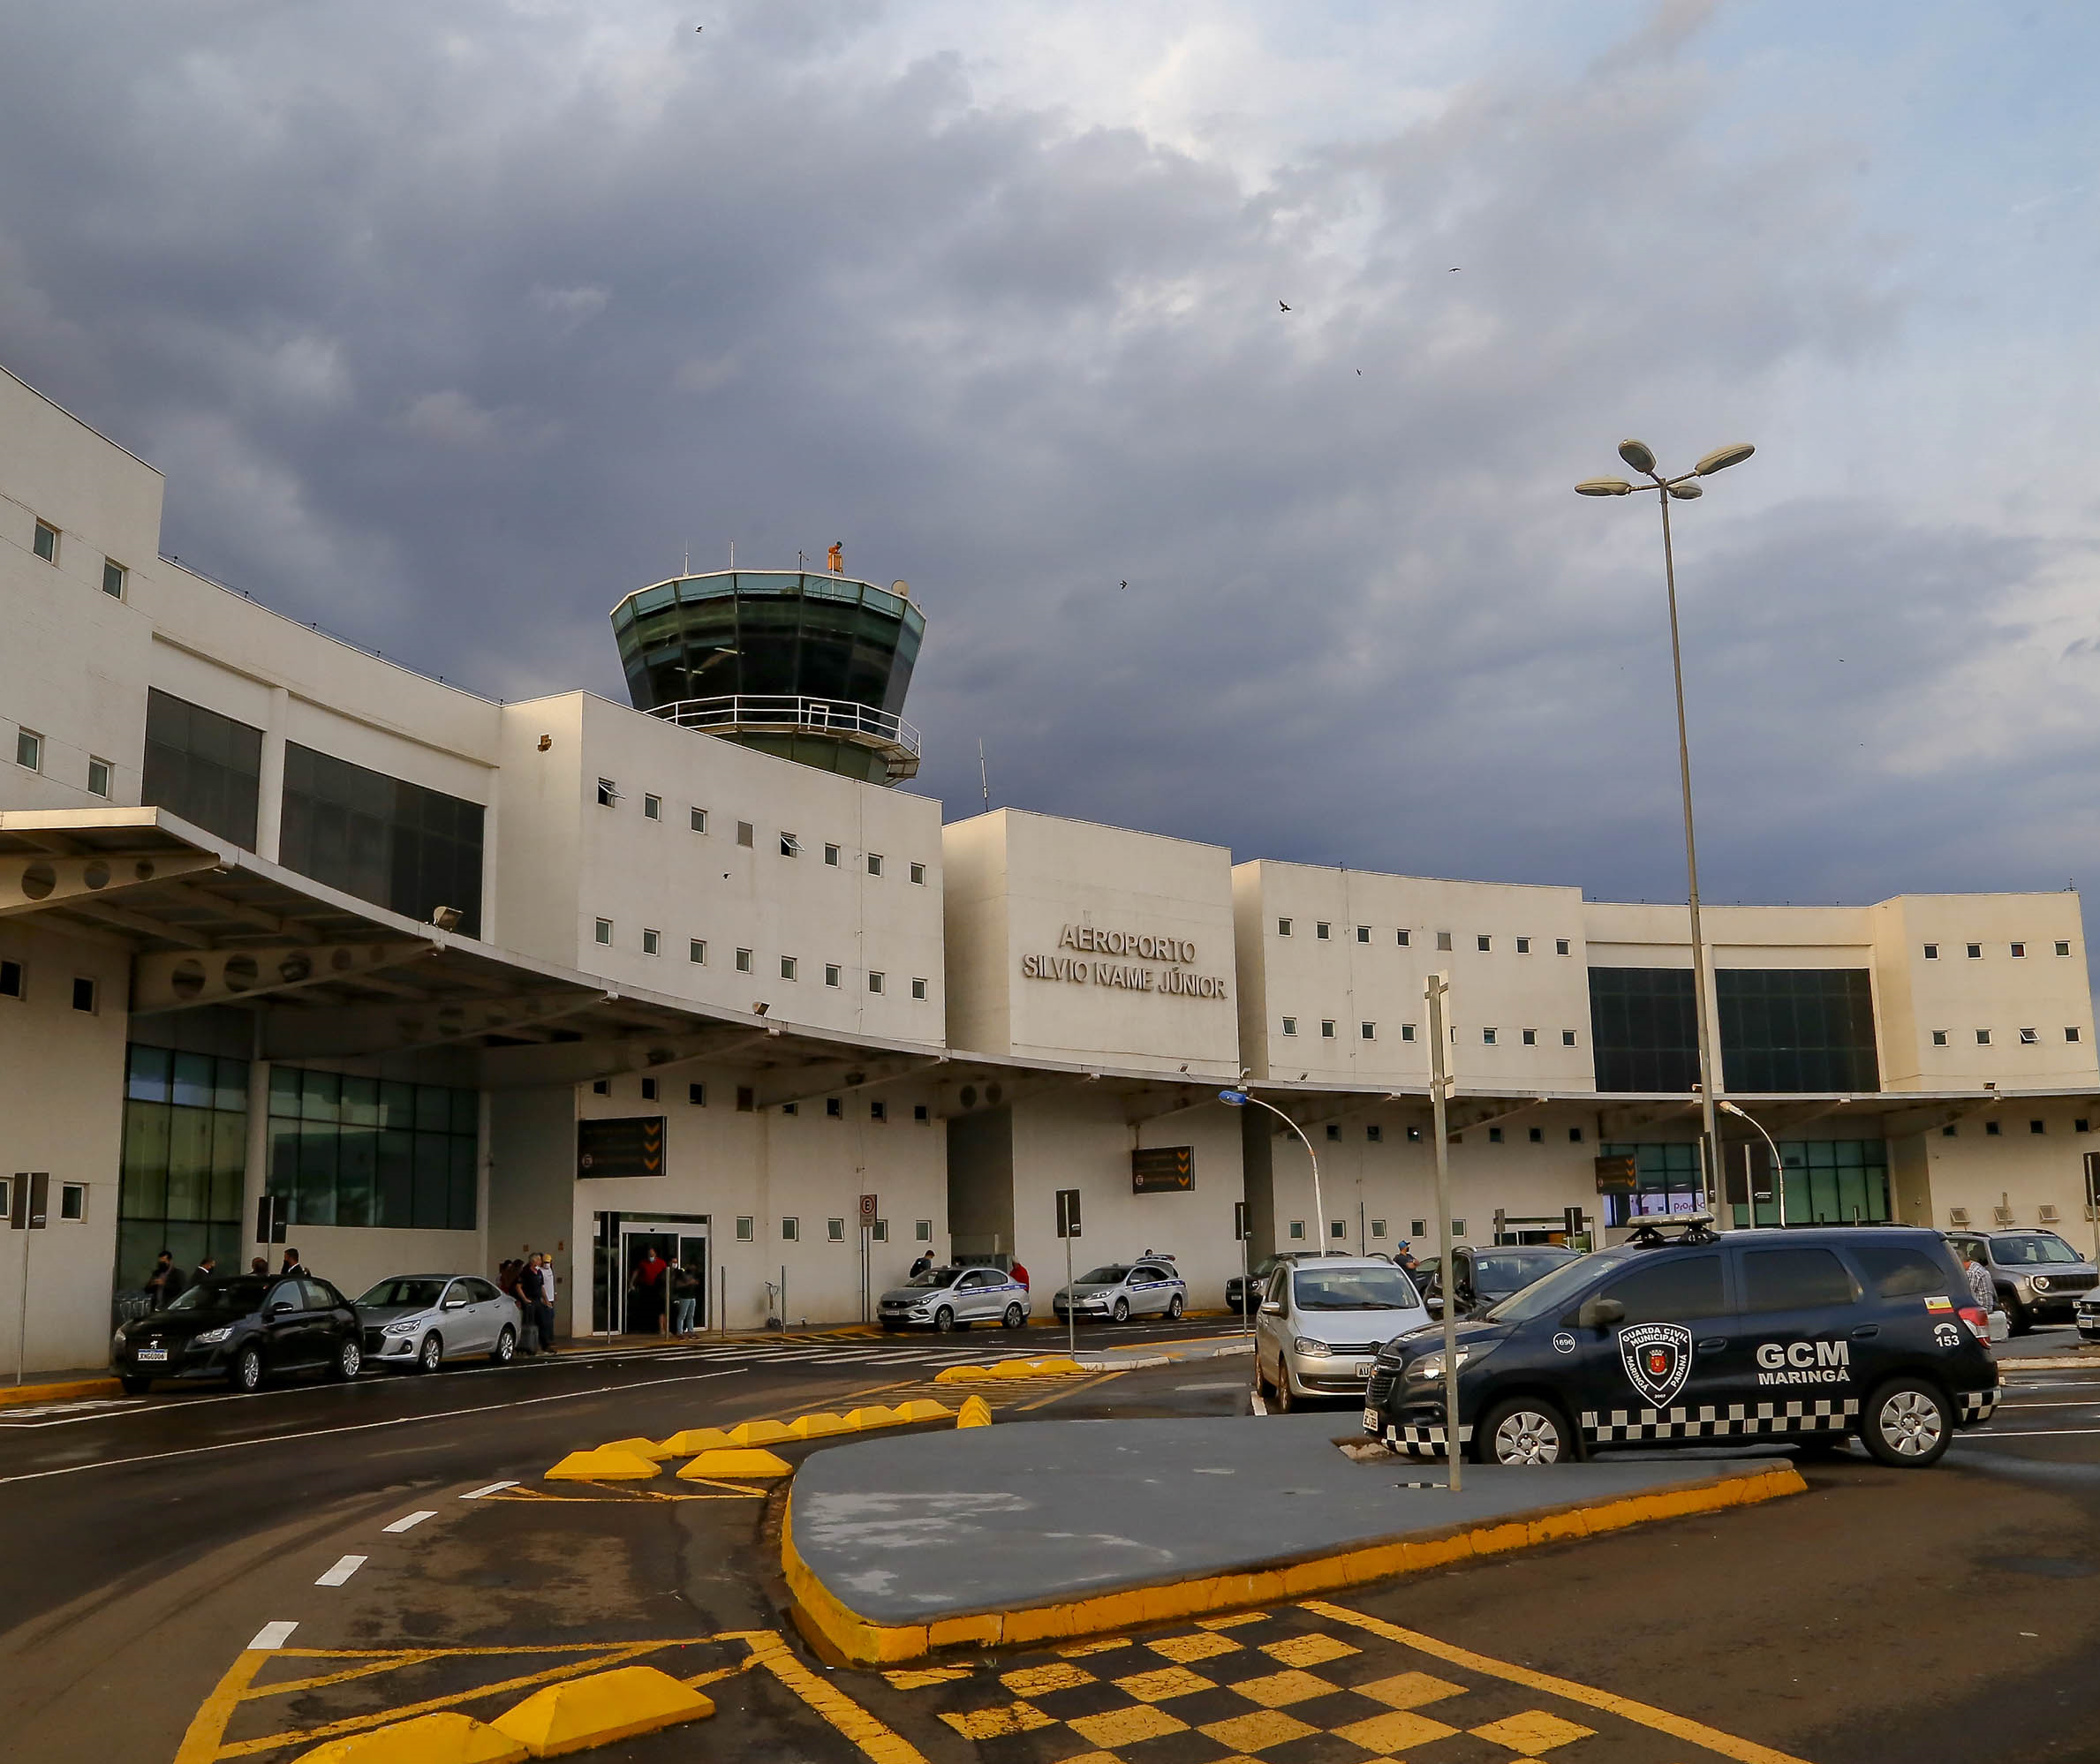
column 1806, row 1335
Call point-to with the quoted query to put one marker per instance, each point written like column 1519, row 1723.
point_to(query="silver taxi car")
column 1322, row 1322
column 1119, row 1291
column 946, row 1299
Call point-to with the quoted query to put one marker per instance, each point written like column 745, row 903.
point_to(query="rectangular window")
column 1290, row 1025
column 920, row 1112
column 696, row 950
column 185, row 1132
column 98, row 777
column 1523, row 945
column 831, row 856
column 72, row 1201
column 874, row 982
column 608, row 793
column 831, row 974
column 1282, row 927
column 1562, row 947
column 1297, row 1231
column 603, row 930
column 652, row 808
column 1975, row 952
column 2062, row 947
column 1374, row 1132
column 1369, row 1031
column 601, row 1087
column 1983, row 1038
column 1443, row 940
column 1537, row 1135
column 1458, row 1228
column 918, row 989
column 878, row 1112
column 835, row 1108
column 113, row 576
column 10, row 979
column 2029, row 1037
column 700, row 820
column 2019, row 950
column 1363, row 933
column 743, row 962
column 1403, row 939
column 1327, row 1028
column 1419, row 1228
column 696, row 1096
column 29, row 749
column 1487, row 1037
column 746, row 835
column 1334, row 1130
column 1494, row 1136
column 1530, row 1037
column 922, row 1231
column 747, row 1100
column 1568, row 1037
column 874, row 864
column 2036, row 1127
column 652, row 943
column 382, row 839
column 84, row 995
column 368, row 1151
column 1407, row 1031
column 790, row 845
column 747, row 1228
column 1575, row 1135
column 919, row 874
column 1415, row 1137
column 1939, row 1038
column 1486, row 943
column 786, row 967
column 1990, row 1130
column 648, row 1090
column 879, row 1233
column 1932, row 952
column 1321, row 930
column 834, row 1230
column 791, row 1108
column 2071, row 1033
column 47, row 541
column 1378, row 1227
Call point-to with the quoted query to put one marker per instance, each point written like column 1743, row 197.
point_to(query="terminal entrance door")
column 648, row 1300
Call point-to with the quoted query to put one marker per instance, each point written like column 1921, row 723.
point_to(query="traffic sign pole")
column 1068, row 1228
column 1437, row 995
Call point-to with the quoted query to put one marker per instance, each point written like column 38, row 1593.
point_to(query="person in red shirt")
column 1020, row 1274
column 645, row 1307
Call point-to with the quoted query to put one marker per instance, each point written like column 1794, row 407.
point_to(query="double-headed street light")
column 1683, row 488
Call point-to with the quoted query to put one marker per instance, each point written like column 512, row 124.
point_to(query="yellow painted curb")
column 582, row 1713
column 734, row 1461
column 975, row 1412
column 872, row 1416
column 923, row 1409
column 58, row 1394
column 695, row 1440
column 816, row 1426
column 867, row 1643
column 602, row 1466
column 639, row 1447
column 759, row 1432
column 446, row 1738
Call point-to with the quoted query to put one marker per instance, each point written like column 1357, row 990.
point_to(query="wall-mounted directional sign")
column 1163, row 1170
column 1615, row 1175
column 619, row 1145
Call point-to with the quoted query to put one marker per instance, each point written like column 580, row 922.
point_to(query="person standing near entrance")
column 164, row 1285
column 924, row 1261
column 645, row 1295
column 539, row 1286
column 686, row 1297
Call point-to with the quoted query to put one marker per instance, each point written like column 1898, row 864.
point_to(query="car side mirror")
column 455, row 1304
column 1600, row 1313
column 281, row 1307
column 1272, row 1308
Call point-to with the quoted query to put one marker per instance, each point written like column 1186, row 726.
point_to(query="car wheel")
column 1523, row 1430
column 1907, row 1423
column 1261, row 1379
column 1123, row 1310
column 431, row 1355
column 1175, row 1306
column 133, row 1385
column 1286, row 1401
column 350, row 1358
column 506, row 1347
column 1014, row 1317
column 944, row 1320
column 2018, row 1319
column 246, row 1375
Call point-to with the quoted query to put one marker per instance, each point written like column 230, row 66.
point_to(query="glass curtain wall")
column 370, row 1151
column 1797, row 1029
column 1644, row 1028
column 185, row 1141
column 1829, row 1181
column 387, row 842
column 203, row 766
column 1666, row 1180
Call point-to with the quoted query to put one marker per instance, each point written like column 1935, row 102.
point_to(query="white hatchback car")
column 1322, row 1322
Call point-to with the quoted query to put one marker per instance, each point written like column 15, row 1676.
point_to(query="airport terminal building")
column 290, row 932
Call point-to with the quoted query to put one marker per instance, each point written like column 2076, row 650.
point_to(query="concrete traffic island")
column 896, row 1547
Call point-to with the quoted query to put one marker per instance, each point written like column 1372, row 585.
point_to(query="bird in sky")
column 1283, row 305
column 1454, row 269
column 1359, row 374
column 1126, row 585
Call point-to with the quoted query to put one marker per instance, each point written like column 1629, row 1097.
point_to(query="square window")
column 874, row 981
column 1320, row 930
column 648, row 1090
column 2036, row 1127
column 747, row 1099
column 1983, row 1038
column 1530, row 1037
column 743, row 962
column 878, row 1112
column 1370, row 1031
column 2029, row 1037
column 700, row 820
column 787, row 967
column 1407, row 1031
column 72, row 1201
column 790, row 845
column 1975, row 952
column 1419, row 1228
column 2062, row 947
column 1403, row 939
column 652, row 943
column 98, row 777
column 1297, row 1231
column 1990, row 1130
column 791, row 1108
column 919, row 988
column 1290, row 1025
column 1378, row 1227
column 2019, row 949
column 835, row 1109
column 1932, row 952
column 47, row 541
column 1494, row 1136
column 608, row 794
column 1337, row 1228
column 696, row 950
column 601, row 1087
column 834, row 1230
column 831, row 974
column 2071, row 1032
column 1327, row 1028
column 747, row 835
column 603, row 932
column 29, row 749
column 651, row 808
column 1443, row 940
column 84, row 995
column 1487, row 943
column 1538, row 1136
column 1458, row 1228
column 1575, row 1135
column 1414, row 1136
column 1363, row 933
column 831, row 856
column 1334, row 1130
column 1561, row 946
column 874, row 864
column 1374, row 1132
column 919, row 874
column 113, row 575
column 1282, row 927
column 920, row 1112
column 1939, row 1038
column 922, row 1231
column 1523, row 945
column 1568, row 1037
column 1487, row 1037
column 696, row 1096
column 10, row 979
column 2081, row 1125
column 745, row 1231
column 879, row 1233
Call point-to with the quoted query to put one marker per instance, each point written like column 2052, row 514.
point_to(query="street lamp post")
column 1779, row 1167
column 1240, row 1099
column 1683, row 488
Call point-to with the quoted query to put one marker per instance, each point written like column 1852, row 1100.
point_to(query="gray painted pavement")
column 926, row 1525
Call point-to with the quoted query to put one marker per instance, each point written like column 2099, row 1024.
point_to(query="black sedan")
column 242, row 1328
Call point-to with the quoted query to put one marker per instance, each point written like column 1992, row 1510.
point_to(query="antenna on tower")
column 984, row 778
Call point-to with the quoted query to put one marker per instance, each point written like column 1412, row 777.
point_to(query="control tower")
column 805, row 665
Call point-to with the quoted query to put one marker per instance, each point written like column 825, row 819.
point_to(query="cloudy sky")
column 451, row 324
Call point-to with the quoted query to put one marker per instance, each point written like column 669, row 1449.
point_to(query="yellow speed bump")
column 640, row 1447
column 976, row 1412
column 736, row 1461
column 695, row 1439
column 758, row 1432
column 581, row 1713
column 960, row 1374
column 447, row 1737
column 1058, row 1363
column 605, row 1465
column 923, row 1409
column 816, row 1426
column 873, row 1415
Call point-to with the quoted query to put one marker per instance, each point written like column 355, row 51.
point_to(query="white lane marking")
column 364, row 1427
column 493, row 1488
column 2034, row 1433
column 2008, row 1403
column 345, row 1566
column 273, row 1635
column 411, row 1521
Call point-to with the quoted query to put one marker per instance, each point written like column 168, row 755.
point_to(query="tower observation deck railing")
column 786, row 714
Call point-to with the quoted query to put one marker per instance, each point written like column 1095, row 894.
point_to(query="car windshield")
column 1353, row 1289
column 1506, row 1273
column 420, row 1294
column 1542, row 1296
column 238, row 1296
column 2029, row 1252
column 1113, row 1274
column 936, row 1277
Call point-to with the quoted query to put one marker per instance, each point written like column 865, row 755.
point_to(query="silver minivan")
column 1322, row 1322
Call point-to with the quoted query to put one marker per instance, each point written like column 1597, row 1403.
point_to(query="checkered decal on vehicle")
column 1977, row 1406
column 1422, row 1436
column 1820, row 1414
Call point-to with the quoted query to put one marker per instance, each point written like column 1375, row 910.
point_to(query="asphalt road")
column 1887, row 1615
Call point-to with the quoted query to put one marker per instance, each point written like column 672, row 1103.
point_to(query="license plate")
column 1370, row 1420
column 1363, row 1367
column 147, row 1354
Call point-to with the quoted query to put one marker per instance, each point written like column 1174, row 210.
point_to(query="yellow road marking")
column 1643, row 1714
column 369, row 1668
column 208, row 1726
column 877, row 1741
column 1076, row 1389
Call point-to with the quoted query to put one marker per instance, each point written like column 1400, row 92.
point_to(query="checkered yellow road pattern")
column 1315, row 1684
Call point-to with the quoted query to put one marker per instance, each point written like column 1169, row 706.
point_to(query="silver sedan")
column 418, row 1321
column 1120, row 1290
